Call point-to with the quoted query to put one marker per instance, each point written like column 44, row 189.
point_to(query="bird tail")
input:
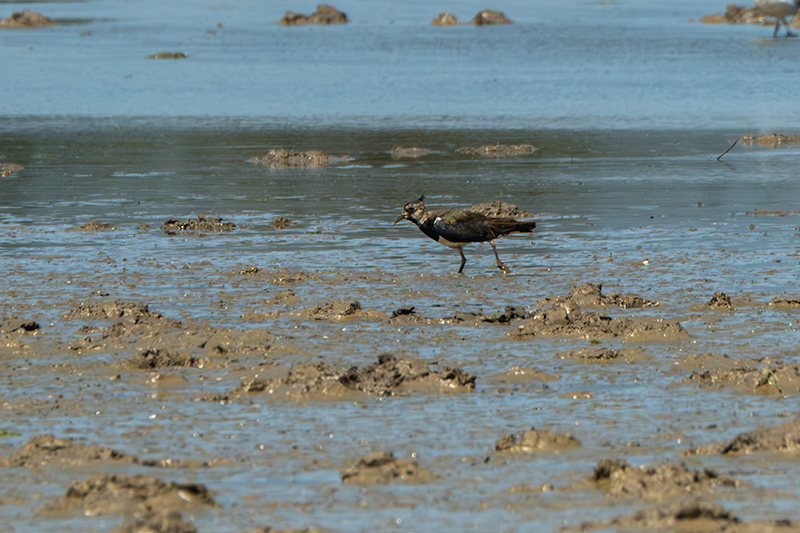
column 506, row 226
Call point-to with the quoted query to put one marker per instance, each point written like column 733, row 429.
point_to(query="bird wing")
column 462, row 226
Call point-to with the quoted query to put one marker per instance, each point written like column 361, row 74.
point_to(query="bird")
column 779, row 9
column 458, row 227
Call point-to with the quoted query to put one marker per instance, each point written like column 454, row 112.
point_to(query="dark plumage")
column 458, row 227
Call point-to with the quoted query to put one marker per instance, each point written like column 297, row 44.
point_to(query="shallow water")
column 630, row 105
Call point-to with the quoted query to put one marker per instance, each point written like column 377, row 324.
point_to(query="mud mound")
column 736, row 15
column 772, row 140
column 153, row 358
column 324, row 14
column 26, row 19
column 157, row 522
column 487, row 17
column 591, row 295
column 602, row 355
column 331, row 311
column 388, row 377
column 18, row 326
column 499, row 208
column 158, row 341
column 282, row 158
column 532, row 441
column 47, row 449
column 112, row 494
column 167, row 55
column 129, row 312
column 409, row 152
column 517, row 375
column 498, row 150
column 382, row 468
column 281, row 223
column 571, row 321
column 446, row 19
column 93, row 227
column 9, row 169
column 44, row 450
column 783, row 302
column 720, row 300
column 174, row 226
column 655, row 483
column 784, row 438
column 690, row 516
column 755, row 376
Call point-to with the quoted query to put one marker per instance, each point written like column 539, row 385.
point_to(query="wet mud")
column 276, row 344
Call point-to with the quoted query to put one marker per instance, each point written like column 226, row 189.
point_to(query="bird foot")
column 504, row 268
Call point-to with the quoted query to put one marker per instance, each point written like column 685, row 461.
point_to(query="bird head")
column 413, row 210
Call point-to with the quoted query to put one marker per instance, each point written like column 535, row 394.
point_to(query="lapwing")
column 456, row 228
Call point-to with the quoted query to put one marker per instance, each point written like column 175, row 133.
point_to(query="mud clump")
column 409, row 152
column 153, row 358
column 499, row 150
column 203, row 224
column 18, row 326
column 119, row 494
column 591, row 295
column 485, row 17
column 282, row 158
column 281, row 223
column 332, row 310
column 129, row 312
column 784, row 438
column 157, row 522
column 167, row 55
column 689, row 516
column 26, row 19
column 93, row 227
column 772, row 140
column 489, row 17
column 43, row 450
column 47, row 449
column 571, row 321
column 383, row 468
column 757, row 376
column 601, row 355
column 655, row 483
column 388, row 377
column 533, row 441
column 783, row 302
column 9, row 169
column 736, row 15
column 498, row 208
column 167, row 342
column 446, row 19
column 324, row 14
column 720, row 300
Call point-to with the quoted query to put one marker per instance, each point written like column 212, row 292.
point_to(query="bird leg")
column 788, row 28
column 463, row 259
column 500, row 264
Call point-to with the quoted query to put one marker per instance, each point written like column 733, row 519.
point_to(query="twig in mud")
column 729, row 149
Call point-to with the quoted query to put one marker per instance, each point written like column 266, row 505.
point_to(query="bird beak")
column 401, row 217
